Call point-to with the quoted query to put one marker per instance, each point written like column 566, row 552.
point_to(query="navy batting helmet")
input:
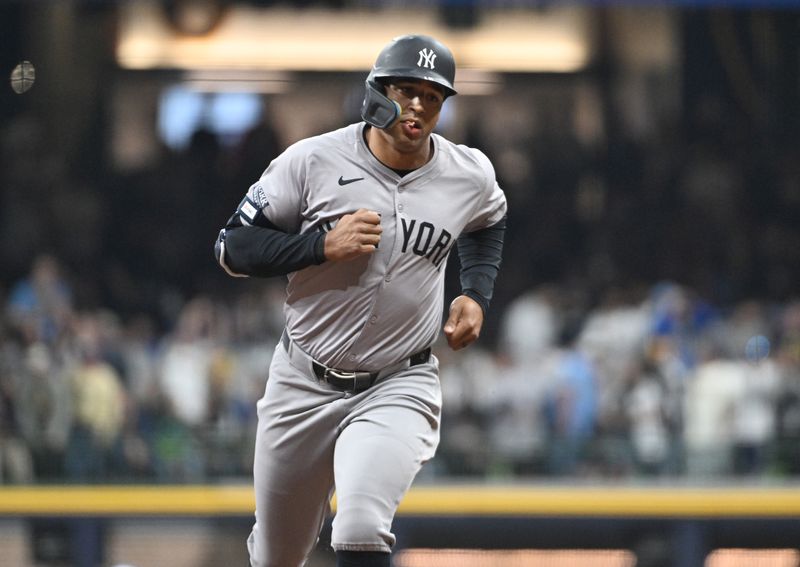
column 408, row 57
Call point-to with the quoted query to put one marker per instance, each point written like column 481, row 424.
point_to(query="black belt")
column 353, row 381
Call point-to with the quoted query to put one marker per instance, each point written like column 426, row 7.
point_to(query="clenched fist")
column 463, row 325
column 354, row 235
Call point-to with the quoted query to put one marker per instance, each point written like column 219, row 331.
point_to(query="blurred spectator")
column 139, row 353
column 468, row 386
column 40, row 305
column 16, row 461
column 649, row 431
column 572, row 404
column 185, row 372
column 188, row 394
column 43, row 406
column 754, row 417
column 708, row 417
column 99, row 407
column 529, row 325
column 244, row 379
column 515, row 418
column 612, row 337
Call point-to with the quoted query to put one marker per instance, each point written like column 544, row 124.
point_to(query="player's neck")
column 382, row 147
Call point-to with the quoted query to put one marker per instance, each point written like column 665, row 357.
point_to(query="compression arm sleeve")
column 265, row 251
column 480, row 253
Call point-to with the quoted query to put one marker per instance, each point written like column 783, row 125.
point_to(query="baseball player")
column 362, row 220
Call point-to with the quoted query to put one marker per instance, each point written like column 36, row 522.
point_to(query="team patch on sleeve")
column 259, row 196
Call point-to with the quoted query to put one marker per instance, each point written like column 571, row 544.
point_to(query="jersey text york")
column 420, row 235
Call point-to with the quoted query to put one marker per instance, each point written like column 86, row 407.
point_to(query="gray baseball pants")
column 313, row 439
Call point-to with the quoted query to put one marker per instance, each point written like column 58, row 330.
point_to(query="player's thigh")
column 394, row 428
column 377, row 456
column 381, row 453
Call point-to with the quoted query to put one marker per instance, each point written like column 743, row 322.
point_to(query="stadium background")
column 636, row 393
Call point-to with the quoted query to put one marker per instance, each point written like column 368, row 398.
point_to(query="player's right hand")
column 354, row 235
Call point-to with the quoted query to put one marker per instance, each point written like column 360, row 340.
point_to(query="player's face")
column 420, row 101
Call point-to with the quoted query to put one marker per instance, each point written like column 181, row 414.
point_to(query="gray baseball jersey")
column 367, row 314
column 375, row 310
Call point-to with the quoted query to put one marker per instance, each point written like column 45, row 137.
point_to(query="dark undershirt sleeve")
column 266, row 251
column 480, row 253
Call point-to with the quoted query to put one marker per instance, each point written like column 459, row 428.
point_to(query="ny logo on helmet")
column 426, row 58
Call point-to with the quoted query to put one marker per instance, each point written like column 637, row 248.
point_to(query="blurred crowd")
column 650, row 382
column 86, row 396
column 653, row 382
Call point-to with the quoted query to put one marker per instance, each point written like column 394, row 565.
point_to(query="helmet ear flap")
column 377, row 109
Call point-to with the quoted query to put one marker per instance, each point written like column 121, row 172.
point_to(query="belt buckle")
column 360, row 380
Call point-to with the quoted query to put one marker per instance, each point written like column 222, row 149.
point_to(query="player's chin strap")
column 378, row 110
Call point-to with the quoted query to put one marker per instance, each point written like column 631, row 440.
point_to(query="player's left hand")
column 464, row 323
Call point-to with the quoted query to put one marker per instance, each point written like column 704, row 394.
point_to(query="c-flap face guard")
column 378, row 110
